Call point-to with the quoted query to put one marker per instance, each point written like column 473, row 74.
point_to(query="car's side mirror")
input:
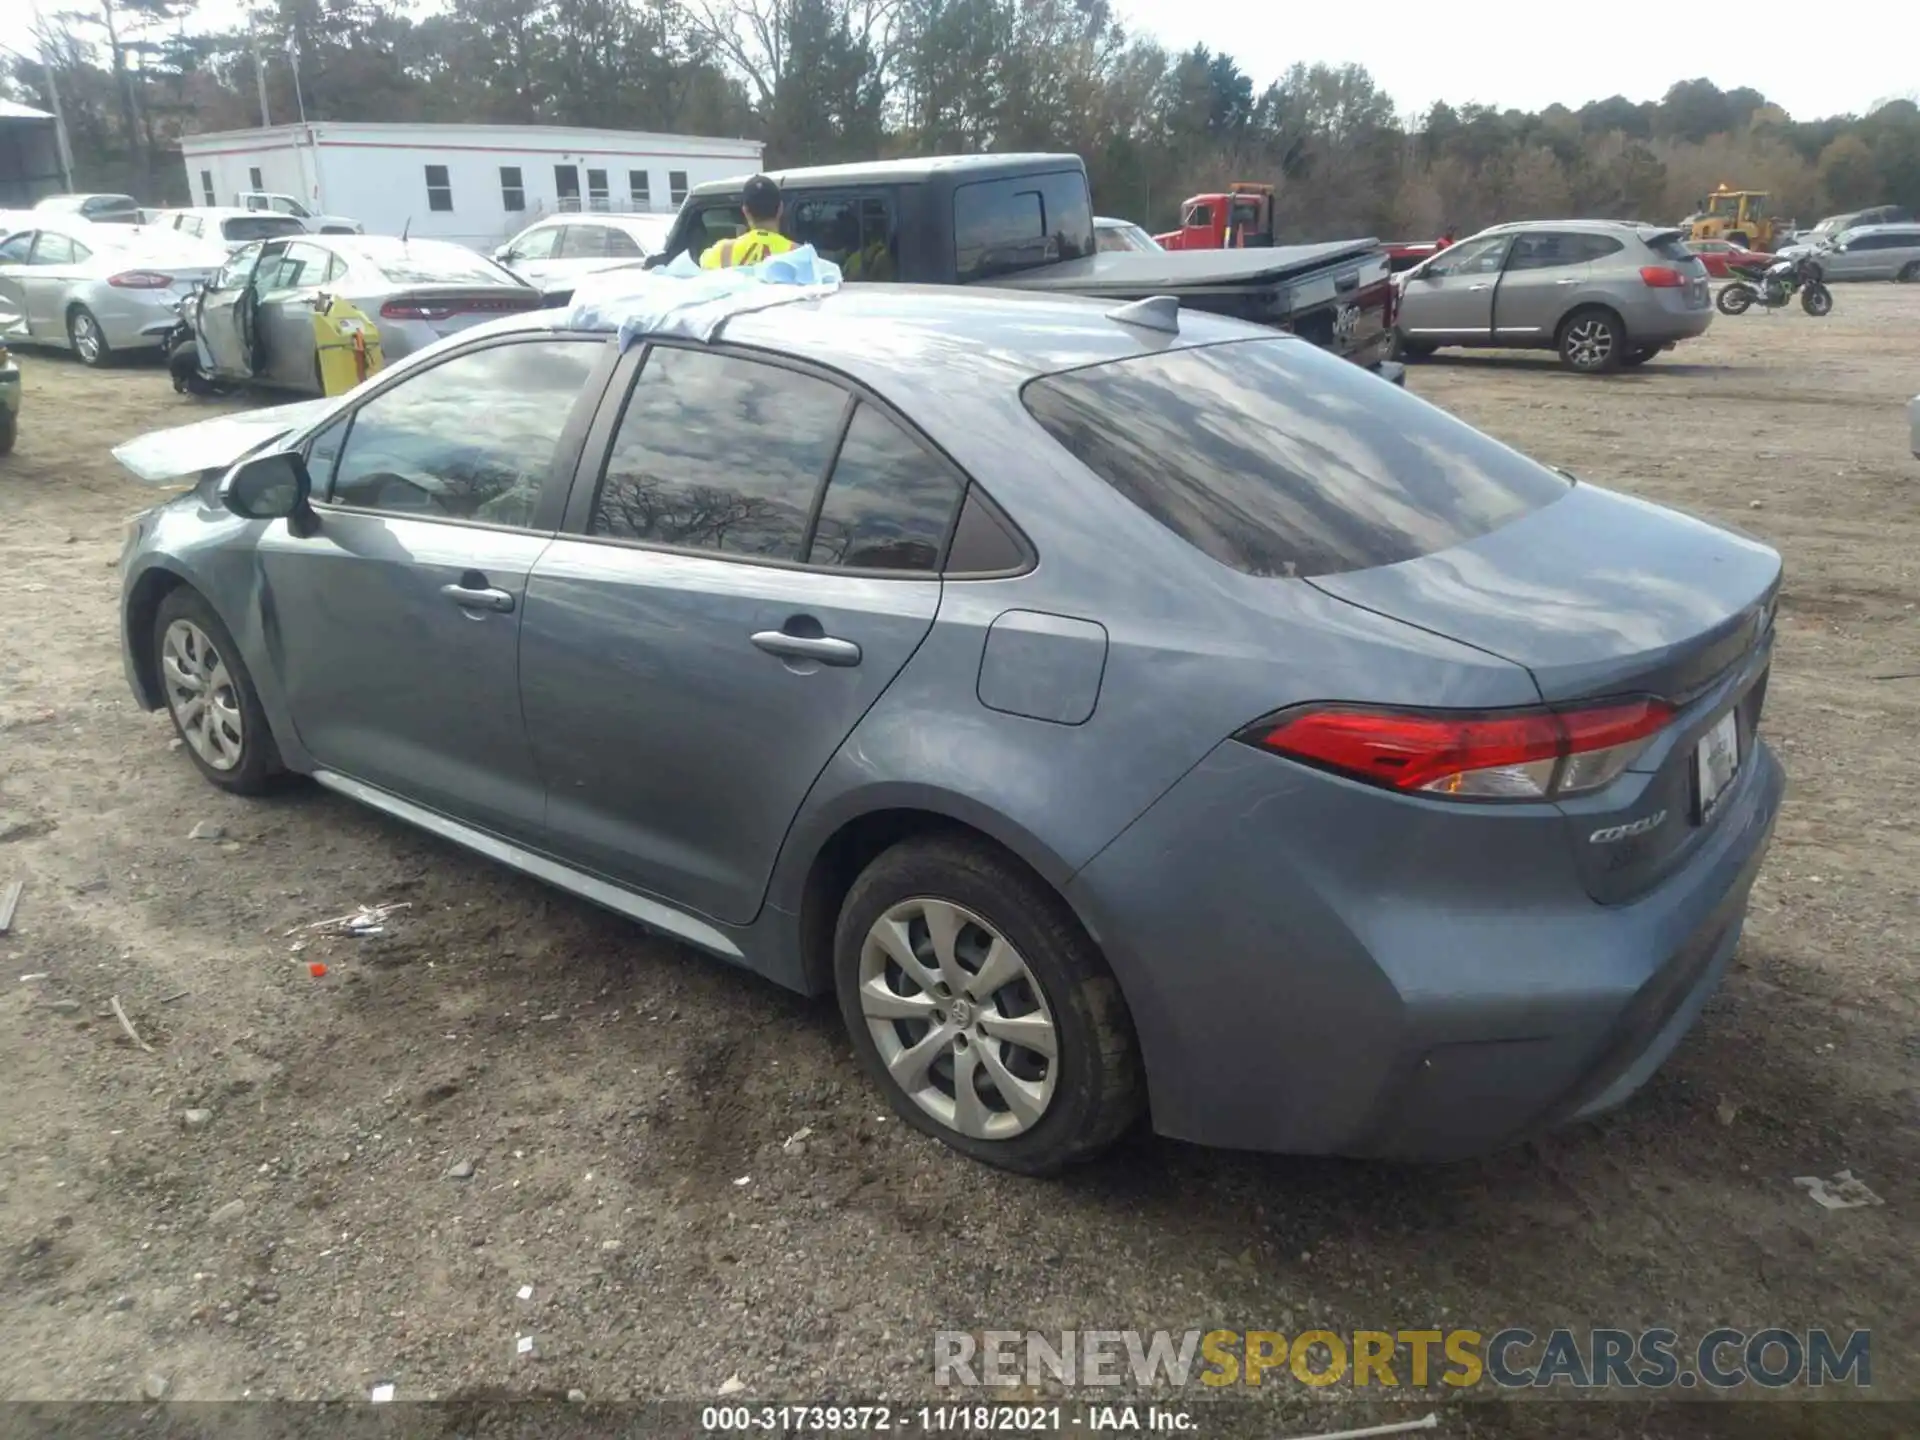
column 271, row 487
column 503, row 254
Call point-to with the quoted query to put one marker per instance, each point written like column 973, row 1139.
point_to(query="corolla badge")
column 1629, row 830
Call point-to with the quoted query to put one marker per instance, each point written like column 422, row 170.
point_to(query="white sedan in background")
column 96, row 289
column 552, row 254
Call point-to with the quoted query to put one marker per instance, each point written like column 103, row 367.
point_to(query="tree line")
column 828, row 80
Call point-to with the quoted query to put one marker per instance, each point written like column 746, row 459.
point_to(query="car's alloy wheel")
column 1910, row 273
column 1589, row 343
column 201, row 695
column 978, row 1004
column 959, row 1020
column 210, row 697
column 89, row 342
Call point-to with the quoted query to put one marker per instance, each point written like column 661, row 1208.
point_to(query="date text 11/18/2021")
column 958, row 1419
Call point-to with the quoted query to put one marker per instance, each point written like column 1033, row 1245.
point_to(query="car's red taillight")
column 1662, row 277
column 414, row 310
column 140, row 280
column 1512, row 755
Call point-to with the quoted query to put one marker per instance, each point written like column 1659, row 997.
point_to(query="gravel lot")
column 262, row 1206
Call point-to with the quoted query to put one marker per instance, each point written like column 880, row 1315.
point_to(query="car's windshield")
column 1278, row 459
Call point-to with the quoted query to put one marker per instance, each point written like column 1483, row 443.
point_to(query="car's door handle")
column 1570, row 280
column 480, row 598
column 1483, row 285
column 824, row 648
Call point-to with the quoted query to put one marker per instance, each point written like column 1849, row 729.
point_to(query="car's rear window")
column 440, row 267
column 260, row 227
column 1670, row 247
column 1278, row 459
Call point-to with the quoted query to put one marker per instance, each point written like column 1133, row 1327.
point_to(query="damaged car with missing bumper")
column 1117, row 717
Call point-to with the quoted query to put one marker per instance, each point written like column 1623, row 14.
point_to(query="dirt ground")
column 625, row 1104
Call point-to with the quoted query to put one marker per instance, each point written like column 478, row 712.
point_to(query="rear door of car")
column 1450, row 298
column 1545, row 270
column 51, row 270
column 718, row 617
column 14, row 255
column 396, row 625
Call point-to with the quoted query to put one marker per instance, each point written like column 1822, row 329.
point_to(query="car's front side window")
column 714, row 452
column 537, row 244
column 473, row 438
column 17, row 248
column 1470, row 257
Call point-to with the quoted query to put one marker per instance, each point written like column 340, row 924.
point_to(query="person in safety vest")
column 760, row 200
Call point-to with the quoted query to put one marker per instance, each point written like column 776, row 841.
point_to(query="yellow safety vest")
column 747, row 249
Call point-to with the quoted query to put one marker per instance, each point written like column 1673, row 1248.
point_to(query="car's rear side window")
column 889, row 503
column 1278, row 459
column 1002, row 226
column 1670, row 247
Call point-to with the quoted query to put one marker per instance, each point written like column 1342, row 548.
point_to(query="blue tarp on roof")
column 683, row 300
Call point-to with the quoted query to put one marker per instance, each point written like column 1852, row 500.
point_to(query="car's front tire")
column 1592, row 341
column 1909, row 273
column 88, row 340
column 978, row 1004
column 211, row 698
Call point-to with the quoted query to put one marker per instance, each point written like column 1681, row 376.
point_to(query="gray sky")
column 1426, row 50
column 1528, row 57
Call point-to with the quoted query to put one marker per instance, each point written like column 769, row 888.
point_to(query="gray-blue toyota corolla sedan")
column 1118, row 711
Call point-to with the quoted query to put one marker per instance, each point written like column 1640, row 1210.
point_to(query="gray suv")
column 1873, row 252
column 1603, row 293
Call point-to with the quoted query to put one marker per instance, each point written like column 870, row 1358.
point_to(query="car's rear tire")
column 1404, row 349
column 88, row 340
column 210, row 697
column 997, row 971
column 9, row 431
column 1909, row 273
column 1592, row 341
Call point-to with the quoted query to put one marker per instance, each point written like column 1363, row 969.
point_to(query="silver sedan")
column 96, row 289
column 255, row 319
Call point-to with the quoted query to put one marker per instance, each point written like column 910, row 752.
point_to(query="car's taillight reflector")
column 140, row 280
column 1662, row 277
column 414, row 310
column 1511, row 755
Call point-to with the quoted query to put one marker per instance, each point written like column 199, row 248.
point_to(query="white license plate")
column 1716, row 759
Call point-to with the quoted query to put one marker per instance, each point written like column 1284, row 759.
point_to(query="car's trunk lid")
column 1596, row 594
column 447, row 309
column 1601, row 595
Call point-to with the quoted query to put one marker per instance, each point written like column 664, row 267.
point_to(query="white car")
column 227, row 225
column 316, row 224
column 552, row 254
column 1110, row 233
column 96, row 289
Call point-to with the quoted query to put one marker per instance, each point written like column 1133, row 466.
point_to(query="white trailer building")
column 474, row 184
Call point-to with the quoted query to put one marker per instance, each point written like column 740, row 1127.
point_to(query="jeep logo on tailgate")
column 1345, row 321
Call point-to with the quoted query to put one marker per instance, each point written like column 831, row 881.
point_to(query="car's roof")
column 1897, row 227
column 635, row 219
column 225, row 212
column 374, row 246
column 72, row 202
column 932, row 341
column 895, row 172
column 1603, row 227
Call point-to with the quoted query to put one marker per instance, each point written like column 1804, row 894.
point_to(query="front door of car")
column 697, row 645
column 1451, row 296
column 225, row 318
column 284, row 293
column 1544, row 269
column 50, row 271
column 396, row 626
column 532, row 256
column 14, row 255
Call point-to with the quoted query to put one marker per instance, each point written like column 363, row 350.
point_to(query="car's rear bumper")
column 1307, row 984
